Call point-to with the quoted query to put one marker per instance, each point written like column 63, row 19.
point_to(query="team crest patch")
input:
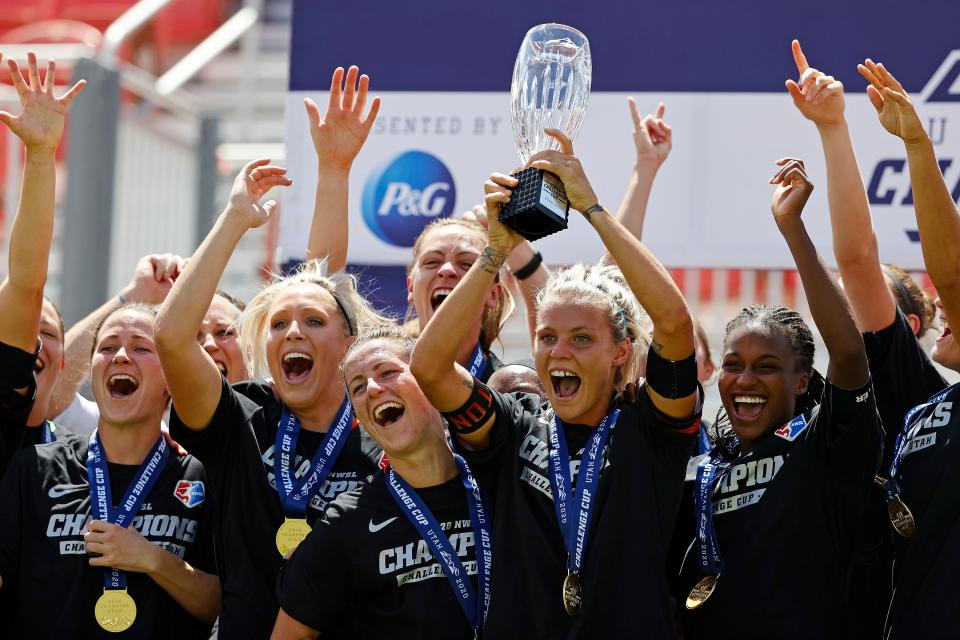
column 792, row 429
column 189, row 492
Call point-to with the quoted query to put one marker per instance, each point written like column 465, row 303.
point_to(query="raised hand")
column 497, row 191
column 792, row 192
column 652, row 137
column 253, row 181
column 153, row 277
column 339, row 135
column 894, row 107
column 40, row 123
column 819, row 97
column 567, row 167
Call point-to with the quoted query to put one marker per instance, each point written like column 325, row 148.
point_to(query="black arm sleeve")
column 215, row 446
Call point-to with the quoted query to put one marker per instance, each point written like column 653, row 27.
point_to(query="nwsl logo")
column 407, row 193
column 792, row 429
column 189, row 492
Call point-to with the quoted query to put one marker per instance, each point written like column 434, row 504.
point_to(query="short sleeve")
column 847, row 425
column 14, row 483
column 315, row 586
column 213, row 445
column 16, row 372
column 903, row 374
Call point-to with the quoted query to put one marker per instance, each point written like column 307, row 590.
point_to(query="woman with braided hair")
column 777, row 500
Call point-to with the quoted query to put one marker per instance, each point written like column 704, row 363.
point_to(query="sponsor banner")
column 439, row 135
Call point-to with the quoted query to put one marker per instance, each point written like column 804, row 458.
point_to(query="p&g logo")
column 404, row 195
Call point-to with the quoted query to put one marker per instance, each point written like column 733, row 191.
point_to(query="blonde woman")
column 587, row 486
column 276, row 450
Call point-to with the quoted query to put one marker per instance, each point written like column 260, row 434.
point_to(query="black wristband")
column 530, row 268
column 671, row 379
column 474, row 413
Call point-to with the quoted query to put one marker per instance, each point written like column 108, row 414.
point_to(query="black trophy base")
column 538, row 206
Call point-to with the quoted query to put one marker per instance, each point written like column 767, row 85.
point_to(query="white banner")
column 430, row 152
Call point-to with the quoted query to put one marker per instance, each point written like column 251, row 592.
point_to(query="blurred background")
column 183, row 92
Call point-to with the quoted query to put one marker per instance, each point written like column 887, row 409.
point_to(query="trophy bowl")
column 550, row 89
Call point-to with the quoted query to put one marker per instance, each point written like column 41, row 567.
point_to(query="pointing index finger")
column 798, row 57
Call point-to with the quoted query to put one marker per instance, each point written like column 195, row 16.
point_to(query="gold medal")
column 572, row 594
column 290, row 534
column 901, row 518
column 701, row 591
column 115, row 610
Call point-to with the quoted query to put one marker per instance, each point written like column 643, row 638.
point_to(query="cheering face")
column 446, row 254
column 759, row 381
column 126, row 376
column 946, row 351
column 306, row 340
column 218, row 337
column 578, row 359
column 49, row 361
column 388, row 401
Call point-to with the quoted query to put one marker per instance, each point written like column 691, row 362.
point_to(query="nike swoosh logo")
column 376, row 527
column 63, row 489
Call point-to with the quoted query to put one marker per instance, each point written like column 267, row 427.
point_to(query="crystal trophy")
column 551, row 84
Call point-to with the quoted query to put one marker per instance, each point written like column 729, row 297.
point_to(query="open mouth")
column 747, row 408
column 438, row 296
column 121, row 385
column 565, row 383
column 946, row 331
column 388, row 413
column 296, row 366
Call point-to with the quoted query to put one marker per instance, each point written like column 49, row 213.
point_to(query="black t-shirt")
column 926, row 566
column 786, row 516
column 903, row 377
column 365, row 572
column 237, row 450
column 45, row 508
column 16, row 364
column 623, row 575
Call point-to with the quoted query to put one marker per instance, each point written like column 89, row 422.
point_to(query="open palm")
column 40, row 123
column 894, row 107
column 339, row 135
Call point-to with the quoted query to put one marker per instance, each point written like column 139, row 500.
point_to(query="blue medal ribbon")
column 892, row 485
column 443, row 552
column 47, row 436
column 575, row 529
column 101, row 499
column 709, row 472
column 294, row 495
column 478, row 362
